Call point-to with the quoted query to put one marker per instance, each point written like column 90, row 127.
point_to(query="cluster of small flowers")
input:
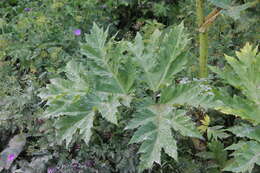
column 27, row 9
column 184, row 80
column 207, row 89
column 52, row 170
column 199, row 80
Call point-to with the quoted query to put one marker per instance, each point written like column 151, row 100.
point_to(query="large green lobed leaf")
column 155, row 122
column 246, row 155
column 161, row 56
column 99, row 87
column 112, row 69
column 243, row 73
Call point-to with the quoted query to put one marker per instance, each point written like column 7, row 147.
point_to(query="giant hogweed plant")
column 110, row 79
column 243, row 73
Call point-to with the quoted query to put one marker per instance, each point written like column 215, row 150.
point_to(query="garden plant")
column 129, row 86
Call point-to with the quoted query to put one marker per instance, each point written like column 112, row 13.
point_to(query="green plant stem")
column 203, row 41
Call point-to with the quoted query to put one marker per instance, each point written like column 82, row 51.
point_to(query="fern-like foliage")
column 243, row 73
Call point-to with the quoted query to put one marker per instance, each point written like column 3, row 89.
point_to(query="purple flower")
column 27, row 9
column 11, row 157
column 89, row 163
column 103, row 6
column 77, row 32
column 51, row 170
column 75, row 165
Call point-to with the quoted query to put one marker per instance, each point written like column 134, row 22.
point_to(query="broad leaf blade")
column 68, row 126
column 112, row 70
column 155, row 124
column 155, row 134
column 246, row 155
column 189, row 94
column 230, row 9
column 221, row 3
column 243, row 73
column 182, row 123
column 246, row 130
column 161, row 56
column 73, row 102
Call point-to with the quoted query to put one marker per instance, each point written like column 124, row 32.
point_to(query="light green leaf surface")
column 246, row 130
column 243, row 73
column 230, row 9
column 154, row 133
column 68, row 126
column 182, row 122
column 246, row 155
column 221, row 3
column 161, row 56
column 111, row 68
column 216, row 132
column 189, row 94
column 154, row 125
column 101, row 88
